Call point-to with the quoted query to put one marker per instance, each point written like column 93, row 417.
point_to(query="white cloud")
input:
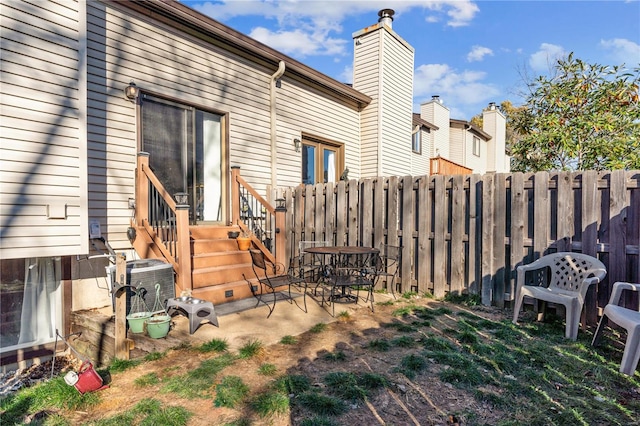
column 464, row 89
column 315, row 21
column 300, row 43
column 346, row 76
column 546, row 57
column 478, row 53
column 622, row 51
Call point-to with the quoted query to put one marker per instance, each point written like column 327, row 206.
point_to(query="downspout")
column 274, row 150
column 380, row 100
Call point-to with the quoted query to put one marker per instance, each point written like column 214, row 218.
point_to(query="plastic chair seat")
column 569, row 277
column 626, row 318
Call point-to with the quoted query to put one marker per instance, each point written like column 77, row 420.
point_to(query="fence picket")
column 470, row 233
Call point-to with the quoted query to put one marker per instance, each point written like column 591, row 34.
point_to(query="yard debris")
column 14, row 380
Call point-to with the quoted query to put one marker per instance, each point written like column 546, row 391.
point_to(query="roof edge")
column 176, row 13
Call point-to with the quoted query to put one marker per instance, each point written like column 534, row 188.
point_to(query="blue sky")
column 469, row 53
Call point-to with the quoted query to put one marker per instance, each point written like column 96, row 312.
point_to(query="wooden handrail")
column 259, row 214
column 166, row 216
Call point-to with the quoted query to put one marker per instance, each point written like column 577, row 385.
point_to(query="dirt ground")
column 425, row 400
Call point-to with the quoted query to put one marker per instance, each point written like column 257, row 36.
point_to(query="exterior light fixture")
column 182, row 198
column 280, row 204
column 131, row 91
column 131, row 234
column 296, row 143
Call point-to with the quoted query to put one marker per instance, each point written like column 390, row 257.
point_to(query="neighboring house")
column 86, row 86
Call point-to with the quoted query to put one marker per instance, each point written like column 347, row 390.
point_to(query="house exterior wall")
column 43, row 195
column 420, row 163
column 436, row 113
column 457, row 142
column 477, row 163
column 125, row 46
column 383, row 69
column 494, row 123
column 367, row 79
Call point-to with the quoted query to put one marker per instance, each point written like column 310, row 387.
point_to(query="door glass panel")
column 308, row 164
column 209, row 179
column 185, row 153
column 329, row 165
column 165, row 130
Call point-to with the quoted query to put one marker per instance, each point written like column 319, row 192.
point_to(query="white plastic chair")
column 628, row 319
column 562, row 278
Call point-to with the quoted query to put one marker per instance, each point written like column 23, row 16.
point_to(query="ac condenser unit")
column 143, row 274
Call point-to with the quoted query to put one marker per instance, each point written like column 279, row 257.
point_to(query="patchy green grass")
column 154, row 356
column 381, row 345
column 49, row 395
column 267, row 369
column 230, row 392
column 120, row 365
column 270, row 403
column 288, row 340
column 250, row 349
column 148, row 412
column 197, row 382
column 148, row 379
column 318, row 328
column 335, row 356
column 528, row 373
column 214, row 345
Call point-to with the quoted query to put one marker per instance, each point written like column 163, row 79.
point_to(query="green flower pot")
column 137, row 320
column 158, row 326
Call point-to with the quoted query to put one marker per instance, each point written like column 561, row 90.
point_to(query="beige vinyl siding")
column 166, row 63
column 477, row 163
column 303, row 110
column 420, row 162
column 43, row 185
column 437, row 114
column 456, row 145
column 366, row 79
column 124, row 46
column 397, row 100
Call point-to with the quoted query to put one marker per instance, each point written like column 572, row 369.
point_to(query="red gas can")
column 88, row 379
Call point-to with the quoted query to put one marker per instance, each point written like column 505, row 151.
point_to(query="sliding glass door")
column 186, row 153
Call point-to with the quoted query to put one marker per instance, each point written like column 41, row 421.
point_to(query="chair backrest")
column 259, row 261
column 568, row 271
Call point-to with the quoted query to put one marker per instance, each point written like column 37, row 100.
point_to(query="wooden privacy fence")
column 468, row 233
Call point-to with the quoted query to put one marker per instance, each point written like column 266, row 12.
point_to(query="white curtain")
column 331, row 166
column 41, row 298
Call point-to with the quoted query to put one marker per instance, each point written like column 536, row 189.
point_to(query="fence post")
column 281, row 235
column 142, row 189
column 184, row 247
column 235, row 195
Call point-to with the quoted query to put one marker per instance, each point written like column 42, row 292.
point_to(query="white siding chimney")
column 495, row 124
column 383, row 70
column 436, row 113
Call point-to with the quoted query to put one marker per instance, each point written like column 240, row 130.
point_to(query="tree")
column 585, row 117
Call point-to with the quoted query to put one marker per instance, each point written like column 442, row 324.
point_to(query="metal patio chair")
column 271, row 277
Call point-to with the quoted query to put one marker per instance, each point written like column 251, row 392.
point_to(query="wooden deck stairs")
column 218, row 267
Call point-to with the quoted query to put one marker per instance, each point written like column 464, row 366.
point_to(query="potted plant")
column 244, row 240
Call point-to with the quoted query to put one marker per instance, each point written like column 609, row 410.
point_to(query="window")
column 30, row 292
column 416, row 143
column 322, row 162
column 476, row 146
